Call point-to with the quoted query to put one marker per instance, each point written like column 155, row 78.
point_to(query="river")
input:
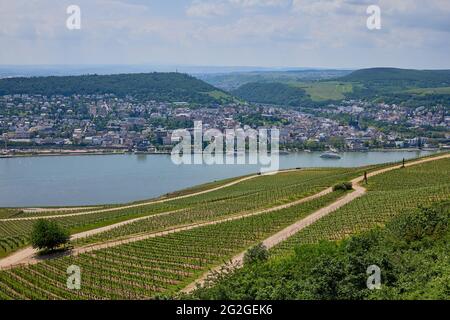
column 111, row 179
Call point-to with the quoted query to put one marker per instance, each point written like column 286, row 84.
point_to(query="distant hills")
column 422, row 77
column 295, row 88
column 390, row 85
column 232, row 80
column 401, row 86
column 165, row 87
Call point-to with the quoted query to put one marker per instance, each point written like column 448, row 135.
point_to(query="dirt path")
column 289, row 231
column 28, row 255
column 40, row 210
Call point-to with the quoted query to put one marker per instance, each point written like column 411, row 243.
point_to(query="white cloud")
column 206, row 9
column 211, row 8
column 260, row 3
column 304, row 32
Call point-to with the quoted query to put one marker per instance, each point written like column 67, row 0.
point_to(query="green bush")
column 256, row 254
column 344, row 186
column 48, row 235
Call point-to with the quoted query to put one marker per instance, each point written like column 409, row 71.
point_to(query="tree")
column 48, row 235
column 258, row 253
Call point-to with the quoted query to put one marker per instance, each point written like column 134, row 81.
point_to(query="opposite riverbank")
column 102, row 152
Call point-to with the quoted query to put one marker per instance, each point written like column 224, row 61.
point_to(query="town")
column 107, row 123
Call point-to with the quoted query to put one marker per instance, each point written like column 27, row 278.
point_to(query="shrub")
column 423, row 222
column 344, row 186
column 48, row 235
column 256, row 254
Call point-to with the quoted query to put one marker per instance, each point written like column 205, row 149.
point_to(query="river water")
column 110, row 179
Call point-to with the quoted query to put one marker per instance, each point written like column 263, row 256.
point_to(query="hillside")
column 337, row 270
column 401, row 86
column 164, row 87
column 401, row 221
column 408, row 87
column 271, row 93
column 233, row 80
column 419, row 77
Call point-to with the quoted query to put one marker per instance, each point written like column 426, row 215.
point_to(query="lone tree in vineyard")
column 48, row 235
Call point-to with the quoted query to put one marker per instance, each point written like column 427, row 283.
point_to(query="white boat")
column 330, row 155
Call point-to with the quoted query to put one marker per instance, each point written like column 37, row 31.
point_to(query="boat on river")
column 330, row 155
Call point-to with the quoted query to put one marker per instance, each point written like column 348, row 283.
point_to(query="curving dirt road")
column 289, row 231
column 28, row 255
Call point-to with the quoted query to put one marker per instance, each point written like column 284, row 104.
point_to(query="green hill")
column 164, row 87
column 271, row 93
column 391, row 85
column 401, row 86
column 232, row 81
column 426, row 78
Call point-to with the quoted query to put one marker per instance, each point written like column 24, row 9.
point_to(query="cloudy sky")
column 295, row 33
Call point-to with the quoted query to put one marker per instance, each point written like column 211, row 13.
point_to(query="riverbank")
column 101, row 152
column 65, row 153
column 35, row 182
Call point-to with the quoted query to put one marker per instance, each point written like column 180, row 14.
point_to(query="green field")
column 219, row 95
column 325, row 90
column 425, row 91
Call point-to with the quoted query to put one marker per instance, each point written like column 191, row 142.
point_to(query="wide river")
column 110, row 179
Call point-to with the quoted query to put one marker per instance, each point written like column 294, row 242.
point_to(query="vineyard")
column 388, row 195
column 259, row 193
column 153, row 267
column 261, row 196
column 160, row 266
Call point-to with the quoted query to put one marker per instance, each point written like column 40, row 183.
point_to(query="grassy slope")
column 425, row 91
column 325, row 90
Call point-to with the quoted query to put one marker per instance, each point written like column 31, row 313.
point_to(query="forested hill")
column 401, row 86
column 272, row 93
column 421, row 78
column 164, row 87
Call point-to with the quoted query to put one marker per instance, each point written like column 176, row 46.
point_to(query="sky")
column 267, row 33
